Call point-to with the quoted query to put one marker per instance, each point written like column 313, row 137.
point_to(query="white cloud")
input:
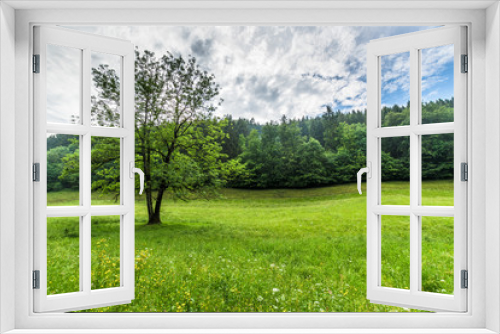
column 435, row 82
column 265, row 72
column 63, row 84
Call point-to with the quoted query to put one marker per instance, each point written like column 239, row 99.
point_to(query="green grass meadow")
column 257, row 251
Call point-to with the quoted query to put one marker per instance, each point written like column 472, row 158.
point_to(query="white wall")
column 7, row 159
column 492, row 188
column 480, row 105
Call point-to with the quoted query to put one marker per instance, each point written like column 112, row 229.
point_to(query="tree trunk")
column 154, row 217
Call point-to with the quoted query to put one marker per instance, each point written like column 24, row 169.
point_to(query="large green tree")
column 177, row 135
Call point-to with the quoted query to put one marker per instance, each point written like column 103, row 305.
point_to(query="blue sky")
column 268, row 71
column 436, row 71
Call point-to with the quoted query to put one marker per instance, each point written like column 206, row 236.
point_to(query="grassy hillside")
column 257, row 251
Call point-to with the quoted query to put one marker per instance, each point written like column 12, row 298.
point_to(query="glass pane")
column 437, row 169
column 395, row 234
column 64, row 77
column 105, row 171
column 105, row 89
column 437, row 254
column 63, row 170
column 395, row 89
column 63, row 255
column 395, row 171
column 105, row 252
column 437, row 84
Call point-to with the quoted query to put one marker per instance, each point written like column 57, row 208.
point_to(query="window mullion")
column 85, row 237
column 85, row 152
column 86, row 166
column 414, row 172
column 86, row 87
column 85, row 254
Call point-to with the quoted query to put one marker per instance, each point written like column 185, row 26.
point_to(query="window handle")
column 134, row 170
column 368, row 171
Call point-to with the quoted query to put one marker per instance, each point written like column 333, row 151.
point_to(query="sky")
column 268, row 71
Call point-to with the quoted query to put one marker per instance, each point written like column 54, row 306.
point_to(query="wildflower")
column 260, row 298
column 276, row 290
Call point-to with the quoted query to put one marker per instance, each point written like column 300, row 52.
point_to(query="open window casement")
column 68, row 104
column 411, row 53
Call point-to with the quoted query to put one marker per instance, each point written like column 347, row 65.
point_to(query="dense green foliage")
column 178, row 138
column 288, row 154
column 256, row 251
column 330, row 148
column 58, row 148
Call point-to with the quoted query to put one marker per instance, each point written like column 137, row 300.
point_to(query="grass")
column 257, row 251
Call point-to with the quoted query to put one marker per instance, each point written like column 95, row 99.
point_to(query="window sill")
column 250, row 331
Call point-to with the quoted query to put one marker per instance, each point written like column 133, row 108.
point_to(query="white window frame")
column 413, row 43
column 484, row 101
column 125, row 210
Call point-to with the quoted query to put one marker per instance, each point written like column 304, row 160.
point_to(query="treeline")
column 301, row 153
column 292, row 153
column 331, row 148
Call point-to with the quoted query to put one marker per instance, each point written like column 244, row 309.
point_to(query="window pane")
column 64, row 76
column 395, row 89
column 395, row 261
column 395, row 171
column 437, row 84
column 105, row 171
column 105, row 89
column 63, row 255
column 63, row 170
column 105, row 252
column 437, row 169
column 437, row 254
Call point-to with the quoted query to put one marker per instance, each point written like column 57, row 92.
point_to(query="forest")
column 283, row 229
column 290, row 153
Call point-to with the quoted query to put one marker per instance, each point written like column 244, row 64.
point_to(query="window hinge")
column 36, row 63
column 36, row 279
column 464, row 171
column 36, row 172
column 465, row 279
column 465, row 64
